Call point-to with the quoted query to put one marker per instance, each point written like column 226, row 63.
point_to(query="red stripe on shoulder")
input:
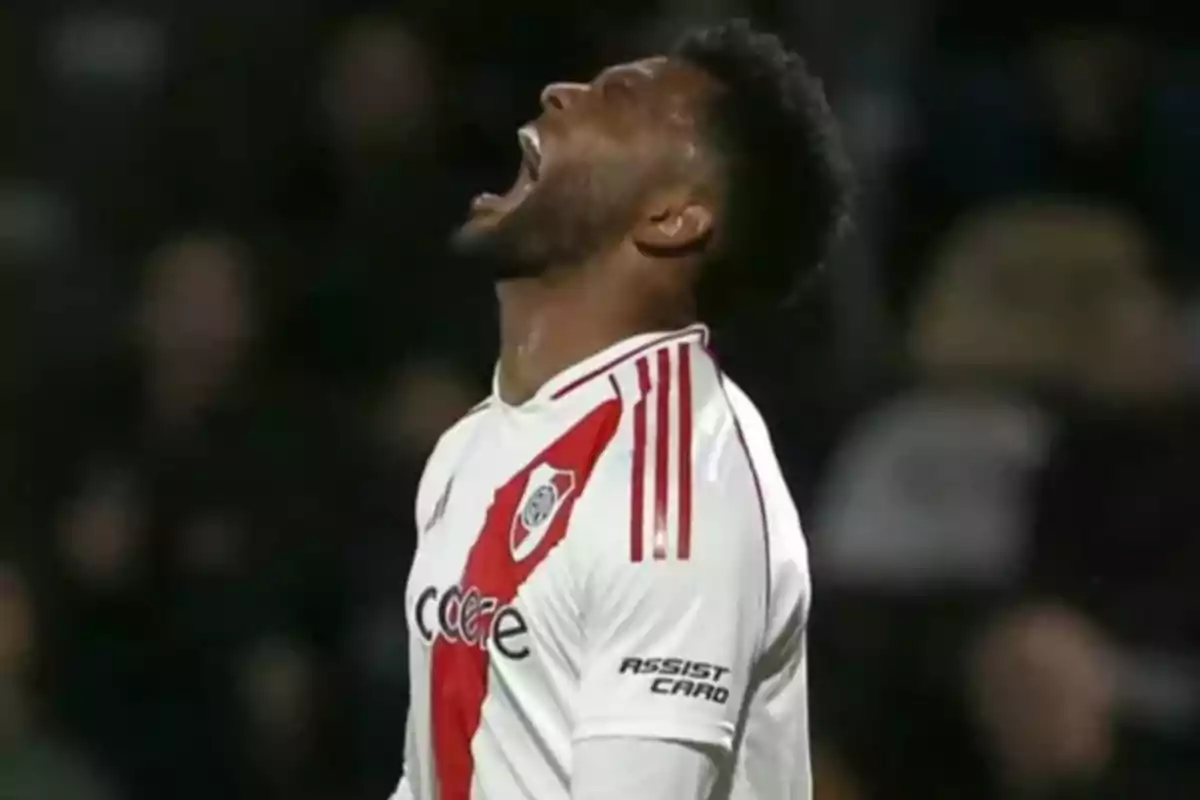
column 695, row 330
column 638, row 489
column 684, row 545
column 662, row 453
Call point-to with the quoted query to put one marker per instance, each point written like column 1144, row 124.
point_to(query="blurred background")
column 229, row 334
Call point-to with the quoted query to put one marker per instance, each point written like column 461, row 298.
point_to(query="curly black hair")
column 787, row 175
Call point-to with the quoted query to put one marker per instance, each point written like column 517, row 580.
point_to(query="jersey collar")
column 583, row 373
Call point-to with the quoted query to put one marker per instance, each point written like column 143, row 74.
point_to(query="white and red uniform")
column 617, row 557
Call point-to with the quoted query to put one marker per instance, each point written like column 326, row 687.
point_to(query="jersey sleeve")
column 672, row 606
column 650, row 770
column 404, row 789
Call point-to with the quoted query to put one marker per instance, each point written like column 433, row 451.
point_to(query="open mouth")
column 531, row 151
column 527, row 176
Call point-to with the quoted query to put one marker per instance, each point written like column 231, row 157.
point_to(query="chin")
column 477, row 234
column 489, row 249
column 486, row 219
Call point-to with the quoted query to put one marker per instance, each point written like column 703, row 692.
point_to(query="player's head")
column 721, row 154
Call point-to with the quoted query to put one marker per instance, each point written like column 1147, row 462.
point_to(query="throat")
column 541, row 334
column 546, row 329
column 527, row 366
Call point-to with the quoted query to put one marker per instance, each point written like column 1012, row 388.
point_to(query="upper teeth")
column 530, row 142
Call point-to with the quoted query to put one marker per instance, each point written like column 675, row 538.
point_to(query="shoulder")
column 454, row 438
column 440, row 463
column 778, row 505
column 781, row 517
column 787, row 548
column 678, row 476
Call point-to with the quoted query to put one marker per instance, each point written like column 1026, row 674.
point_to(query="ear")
column 672, row 228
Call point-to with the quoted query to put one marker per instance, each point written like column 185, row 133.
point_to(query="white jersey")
column 617, row 557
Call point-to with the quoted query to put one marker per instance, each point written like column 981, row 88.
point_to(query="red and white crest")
column 546, row 491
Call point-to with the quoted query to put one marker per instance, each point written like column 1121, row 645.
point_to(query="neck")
column 545, row 328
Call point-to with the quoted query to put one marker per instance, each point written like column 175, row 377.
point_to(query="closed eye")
column 618, row 84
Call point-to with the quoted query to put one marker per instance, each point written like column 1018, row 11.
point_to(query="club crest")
column 545, row 492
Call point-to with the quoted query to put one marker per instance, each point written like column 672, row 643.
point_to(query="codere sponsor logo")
column 469, row 617
column 678, row 676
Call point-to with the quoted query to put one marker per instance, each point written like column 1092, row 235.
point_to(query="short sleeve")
column 670, row 634
column 650, row 770
column 404, row 790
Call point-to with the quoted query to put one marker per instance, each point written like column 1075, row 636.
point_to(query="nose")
column 561, row 96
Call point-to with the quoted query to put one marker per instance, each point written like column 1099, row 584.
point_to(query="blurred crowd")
column 230, row 333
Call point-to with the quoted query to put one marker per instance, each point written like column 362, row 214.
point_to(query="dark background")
column 229, row 334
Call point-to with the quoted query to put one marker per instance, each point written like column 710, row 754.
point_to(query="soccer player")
column 610, row 592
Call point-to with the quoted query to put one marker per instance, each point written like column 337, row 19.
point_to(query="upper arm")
column 671, row 630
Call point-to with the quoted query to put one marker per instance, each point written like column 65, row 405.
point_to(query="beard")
column 567, row 219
